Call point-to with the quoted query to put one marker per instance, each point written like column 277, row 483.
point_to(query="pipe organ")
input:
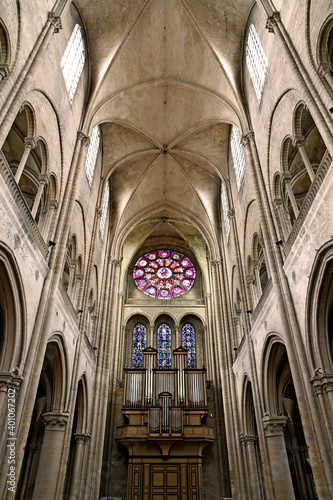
column 164, row 412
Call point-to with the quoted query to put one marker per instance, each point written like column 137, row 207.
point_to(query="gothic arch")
column 12, row 312
column 319, row 306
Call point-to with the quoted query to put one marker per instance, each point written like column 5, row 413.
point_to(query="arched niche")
column 131, row 325
column 196, row 323
column 12, row 315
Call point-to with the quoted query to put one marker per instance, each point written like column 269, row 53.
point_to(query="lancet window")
column 105, row 204
column 164, row 346
column 139, row 344
column 225, row 209
column 238, row 157
column 256, row 61
column 73, row 61
column 188, row 341
column 92, row 154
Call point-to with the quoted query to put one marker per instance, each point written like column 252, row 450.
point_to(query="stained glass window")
column 139, row 344
column 73, row 61
column 238, row 157
column 164, row 346
column 164, row 274
column 256, row 61
column 188, row 337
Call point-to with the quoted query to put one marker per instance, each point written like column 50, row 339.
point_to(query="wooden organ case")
column 164, row 411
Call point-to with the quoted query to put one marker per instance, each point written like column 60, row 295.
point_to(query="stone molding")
column 55, row 22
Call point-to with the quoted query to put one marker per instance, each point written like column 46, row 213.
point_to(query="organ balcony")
column 165, row 404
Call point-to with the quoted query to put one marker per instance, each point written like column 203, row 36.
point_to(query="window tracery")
column 256, row 62
column 164, row 274
column 73, row 61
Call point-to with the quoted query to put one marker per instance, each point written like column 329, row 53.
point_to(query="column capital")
column 55, row 421
column 286, row 177
column 10, row 381
column 277, row 202
column 55, row 21
column 322, row 381
column 246, row 440
column 299, row 142
column 43, row 178
column 115, row 262
column 82, row 438
column 272, row 21
column 215, row 263
column 30, row 142
column 98, row 212
column 231, row 213
column 250, row 279
column 324, row 68
column 83, row 138
column 4, row 71
column 247, row 138
column 274, row 426
column 53, row 204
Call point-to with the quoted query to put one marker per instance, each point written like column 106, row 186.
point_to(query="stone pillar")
column 50, row 456
column 278, row 459
column 30, row 144
column 287, row 180
column 43, row 180
column 80, row 441
column 249, row 444
column 178, row 336
column 299, row 143
column 285, row 225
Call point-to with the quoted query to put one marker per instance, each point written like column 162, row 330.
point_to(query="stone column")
column 30, row 144
column 43, row 180
column 178, row 337
column 50, row 456
column 285, row 225
column 80, row 441
column 299, row 143
column 287, row 180
column 249, row 445
column 278, row 459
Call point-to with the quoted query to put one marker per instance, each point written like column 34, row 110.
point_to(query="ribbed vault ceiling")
column 165, row 85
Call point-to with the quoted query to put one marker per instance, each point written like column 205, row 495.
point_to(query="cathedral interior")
column 166, row 249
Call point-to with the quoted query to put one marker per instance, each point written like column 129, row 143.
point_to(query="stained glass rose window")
column 164, row 274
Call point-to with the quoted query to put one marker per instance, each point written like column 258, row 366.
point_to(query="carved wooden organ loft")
column 164, row 432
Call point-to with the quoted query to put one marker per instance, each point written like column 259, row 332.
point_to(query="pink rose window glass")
column 164, row 274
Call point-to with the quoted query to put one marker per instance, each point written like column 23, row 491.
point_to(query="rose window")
column 164, row 274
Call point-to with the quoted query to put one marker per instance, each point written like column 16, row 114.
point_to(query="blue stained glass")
column 164, row 347
column 139, row 344
column 188, row 335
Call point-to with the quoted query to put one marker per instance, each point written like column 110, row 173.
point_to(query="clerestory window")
column 256, row 61
column 92, row 154
column 73, row 61
column 238, row 157
column 105, row 204
column 225, row 209
column 188, row 341
column 139, row 344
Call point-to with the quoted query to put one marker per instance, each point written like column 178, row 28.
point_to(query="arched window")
column 256, row 61
column 225, row 209
column 164, row 346
column 92, row 154
column 105, row 204
column 139, row 344
column 238, row 157
column 188, row 340
column 73, row 61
